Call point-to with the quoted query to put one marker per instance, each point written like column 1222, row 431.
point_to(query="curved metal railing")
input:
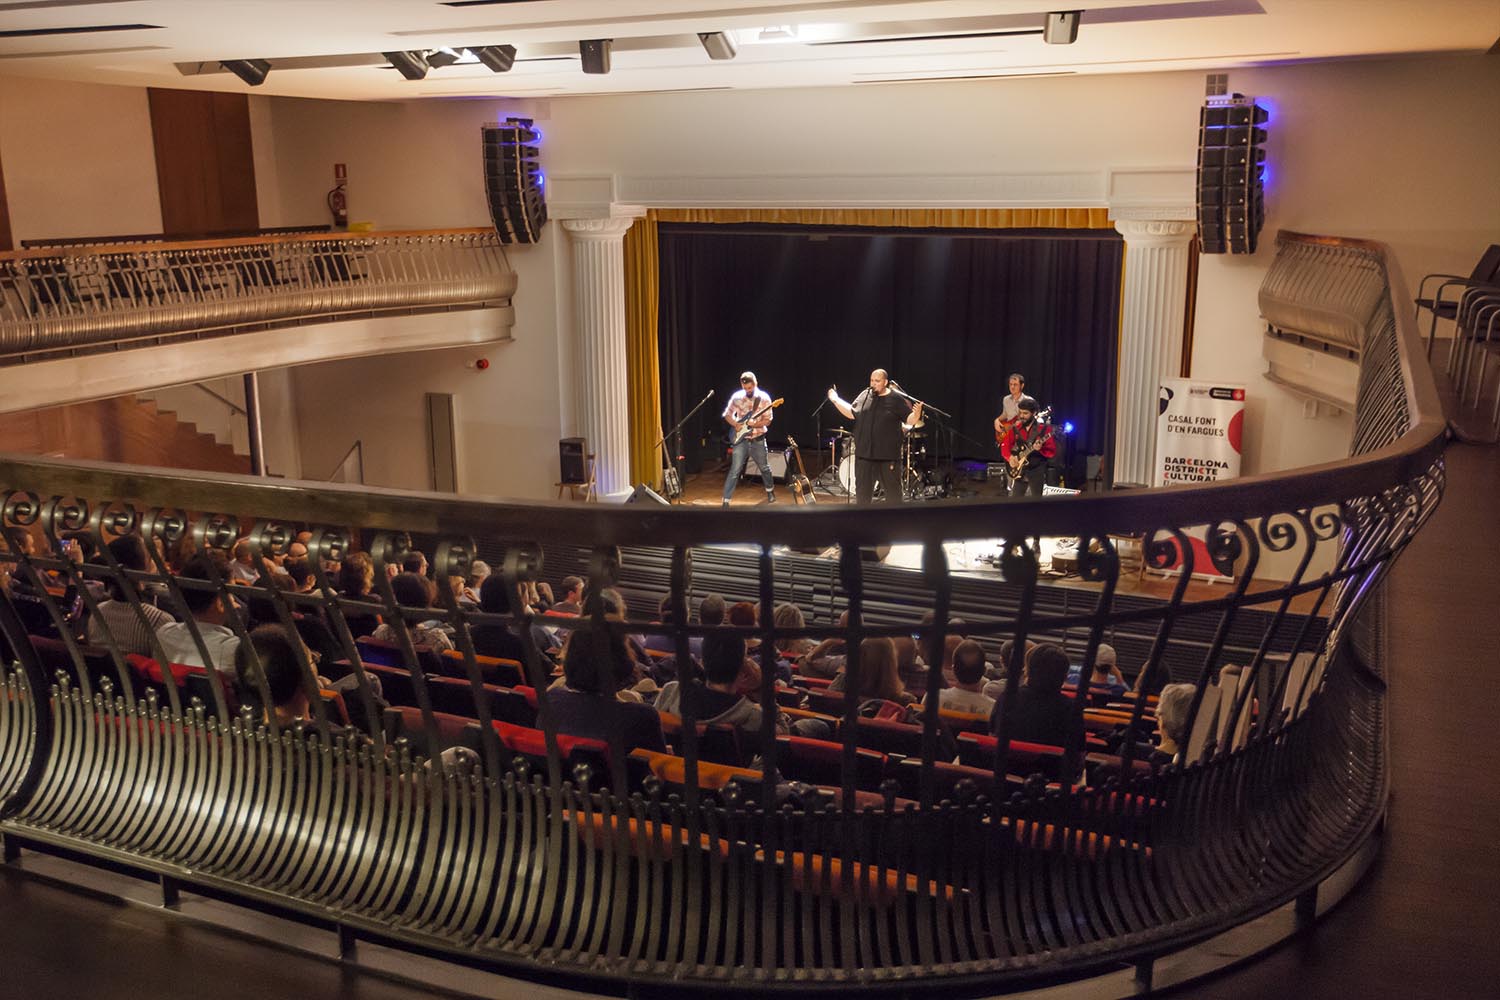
column 88, row 298
column 551, row 859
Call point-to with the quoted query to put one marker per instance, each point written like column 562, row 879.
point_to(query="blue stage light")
column 1067, row 427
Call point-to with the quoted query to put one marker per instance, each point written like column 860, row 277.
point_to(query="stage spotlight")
column 252, row 71
column 438, row 58
column 1067, row 427
column 412, row 65
column 1061, row 27
column 718, row 44
column 595, row 54
column 499, row 58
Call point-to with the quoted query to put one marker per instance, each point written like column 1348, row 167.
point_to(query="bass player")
column 749, row 409
column 1026, row 447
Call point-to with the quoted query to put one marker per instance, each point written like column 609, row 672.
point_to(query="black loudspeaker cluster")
column 513, row 180
column 1231, row 192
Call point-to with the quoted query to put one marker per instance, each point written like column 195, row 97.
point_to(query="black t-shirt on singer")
column 877, row 425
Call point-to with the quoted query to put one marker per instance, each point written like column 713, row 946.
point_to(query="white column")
column 599, row 314
column 1152, row 314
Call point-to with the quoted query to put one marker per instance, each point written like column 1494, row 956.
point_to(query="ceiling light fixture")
column 1061, row 27
column 412, row 65
column 252, row 71
column 779, row 33
column 718, row 44
column 595, row 54
column 438, row 58
column 499, row 58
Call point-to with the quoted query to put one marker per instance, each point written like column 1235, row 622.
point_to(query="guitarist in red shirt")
column 1026, row 446
column 749, row 412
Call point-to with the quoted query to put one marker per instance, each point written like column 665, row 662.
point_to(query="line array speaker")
column 1231, row 175
column 513, row 179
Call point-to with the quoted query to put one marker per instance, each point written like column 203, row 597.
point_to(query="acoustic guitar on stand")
column 802, row 489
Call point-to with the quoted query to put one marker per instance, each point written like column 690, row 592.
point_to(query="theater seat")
column 821, row 762
column 494, row 669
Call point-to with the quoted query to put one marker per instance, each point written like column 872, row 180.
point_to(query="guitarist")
column 1010, row 405
column 1026, row 446
column 750, row 406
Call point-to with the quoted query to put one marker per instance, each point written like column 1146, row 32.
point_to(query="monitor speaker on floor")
column 645, row 494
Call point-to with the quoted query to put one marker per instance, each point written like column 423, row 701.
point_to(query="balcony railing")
column 89, row 298
column 761, row 860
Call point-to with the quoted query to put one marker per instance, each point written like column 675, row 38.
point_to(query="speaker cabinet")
column 571, row 462
column 1231, row 190
column 594, row 52
column 777, row 461
column 645, row 494
column 513, row 179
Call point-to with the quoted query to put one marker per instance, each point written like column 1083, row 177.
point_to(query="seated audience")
column 414, row 562
column 356, row 580
column 881, row 693
column 278, row 661
column 720, row 703
column 826, row 659
column 789, row 616
column 414, row 591
column 967, row 693
column 479, row 570
column 668, row 643
column 572, row 597
column 1171, row 723
column 711, row 610
column 1105, row 676
column 131, row 631
column 1042, row 713
column 595, row 666
column 209, row 613
column 503, row 640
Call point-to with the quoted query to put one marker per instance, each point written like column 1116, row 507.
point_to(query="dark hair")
column 572, row 583
column 278, row 660
column 723, row 657
column 968, row 662
column 878, row 676
column 1046, row 668
column 414, row 562
column 492, row 596
column 613, row 601
column 742, row 614
column 583, row 668
column 1028, row 404
column 711, row 610
column 200, row 567
column 299, row 570
column 411, row 590
column 356, row 574
column 130, row 552
column 664, row 606
column 1016, row 375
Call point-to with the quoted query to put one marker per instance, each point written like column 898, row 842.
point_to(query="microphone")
column 708, row 397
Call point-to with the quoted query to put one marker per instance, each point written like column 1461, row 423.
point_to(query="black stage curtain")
column 950, row 313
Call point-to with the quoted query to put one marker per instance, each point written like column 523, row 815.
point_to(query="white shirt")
column 969, row 702
column 178, row 646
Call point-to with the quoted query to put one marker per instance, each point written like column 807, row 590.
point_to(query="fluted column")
column 599, row 313
column 1152, row 314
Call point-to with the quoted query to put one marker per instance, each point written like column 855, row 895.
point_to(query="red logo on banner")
column 1236, row 427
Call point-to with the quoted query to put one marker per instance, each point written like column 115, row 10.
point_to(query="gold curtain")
column 642, row 283
column 643, row 390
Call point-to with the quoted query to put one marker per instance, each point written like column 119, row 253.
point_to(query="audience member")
column 1106, row 676
column 1171, row 723
column 826, row 659
column 720, row 703
column 479, row 571
column 209, row 614
column 789, row 616
column 116, row 618
column 414, row 591
column 355, row 581
column 414, row 562
column 572, row 597
column 711, row 610
column 283, row 674
column 881, row 694
column 967, row 692
column 1042, row 713
column 595, row 665
column 242, row 568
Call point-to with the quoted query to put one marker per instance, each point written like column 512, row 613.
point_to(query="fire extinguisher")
column 338, row 204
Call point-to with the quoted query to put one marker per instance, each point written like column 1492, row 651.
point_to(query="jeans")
column 749, row 448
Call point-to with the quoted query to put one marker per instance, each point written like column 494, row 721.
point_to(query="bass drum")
column 846, row 470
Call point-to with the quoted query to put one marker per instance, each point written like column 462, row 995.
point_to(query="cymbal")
column 840, row 432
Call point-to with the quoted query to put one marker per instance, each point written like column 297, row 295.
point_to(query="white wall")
column 79, row 159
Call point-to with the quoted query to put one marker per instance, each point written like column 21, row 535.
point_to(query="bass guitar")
column 802, row 490
column 744, row 427
column 1017, row 465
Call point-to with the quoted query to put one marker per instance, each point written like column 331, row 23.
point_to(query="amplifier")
column 778, row 467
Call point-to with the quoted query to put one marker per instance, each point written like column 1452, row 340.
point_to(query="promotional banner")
column 1198, row 430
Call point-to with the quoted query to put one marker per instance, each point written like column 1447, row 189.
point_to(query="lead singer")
column 881, row 417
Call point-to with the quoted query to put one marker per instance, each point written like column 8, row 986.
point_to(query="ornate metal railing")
column 551, row 859
column 89, row 298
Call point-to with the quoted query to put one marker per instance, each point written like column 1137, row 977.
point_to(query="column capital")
column 1157, row 232
column 605, row 228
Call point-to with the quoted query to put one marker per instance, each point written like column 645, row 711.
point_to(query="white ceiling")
column 330, row 48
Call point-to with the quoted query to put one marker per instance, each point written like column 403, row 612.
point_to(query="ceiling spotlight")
column 499, row 58
column 252, row 71
column 412, row 65
column 1061, row 27
column 438, row 58
column 595, row 54
column 718, row 44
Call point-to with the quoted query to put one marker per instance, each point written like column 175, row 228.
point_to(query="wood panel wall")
column 6, row 240
column 123, row 429
column 205, row 169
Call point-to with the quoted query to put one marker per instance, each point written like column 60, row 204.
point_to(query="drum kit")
column 919, row 480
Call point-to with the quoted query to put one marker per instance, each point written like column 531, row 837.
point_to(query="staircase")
column 122, row 429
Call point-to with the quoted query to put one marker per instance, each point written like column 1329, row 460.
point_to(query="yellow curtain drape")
column 643, row 389
column 642, row 283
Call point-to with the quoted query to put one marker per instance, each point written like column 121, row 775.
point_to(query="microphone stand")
column 678, row 429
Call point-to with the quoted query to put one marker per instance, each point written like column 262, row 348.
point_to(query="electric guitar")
column 802, row 491
column 744, row 422
column 1018, row 461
